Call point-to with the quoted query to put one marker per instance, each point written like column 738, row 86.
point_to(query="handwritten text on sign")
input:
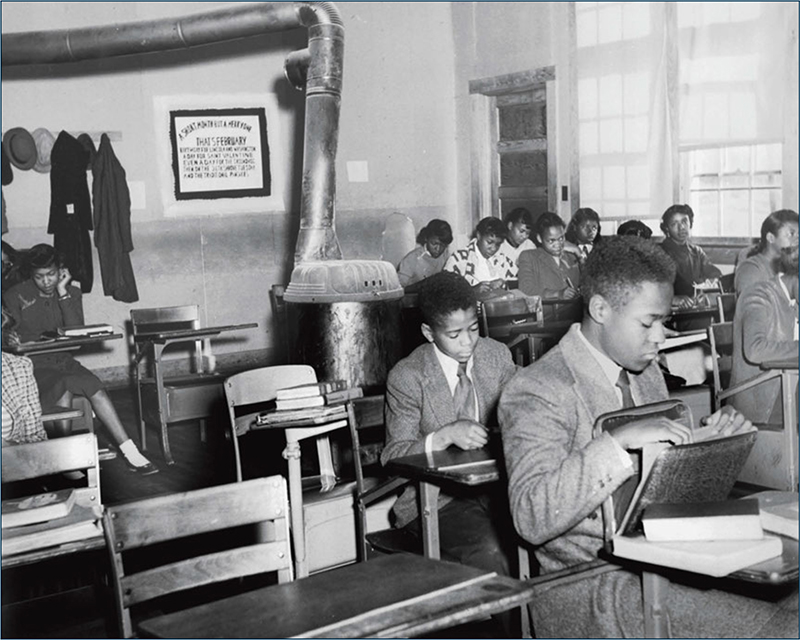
column 220, row 153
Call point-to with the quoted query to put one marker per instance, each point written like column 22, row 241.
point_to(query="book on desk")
column 37, row 508
column 86, row 330
column 702, row 471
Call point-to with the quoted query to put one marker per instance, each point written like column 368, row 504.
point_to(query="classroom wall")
column 397, row 116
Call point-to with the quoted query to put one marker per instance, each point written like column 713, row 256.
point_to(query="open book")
column 702, row 471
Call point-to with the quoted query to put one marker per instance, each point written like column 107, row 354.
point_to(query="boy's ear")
column 427, row 332
column 599, row 308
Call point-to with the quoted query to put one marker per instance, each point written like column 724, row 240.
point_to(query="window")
column 734, row 187
column 684, row 102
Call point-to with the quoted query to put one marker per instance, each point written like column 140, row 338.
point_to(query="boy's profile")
column 559, row 475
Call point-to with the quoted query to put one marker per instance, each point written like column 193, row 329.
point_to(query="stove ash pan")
column 343, row 281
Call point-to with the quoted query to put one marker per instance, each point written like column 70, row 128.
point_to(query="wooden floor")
column 67, row 598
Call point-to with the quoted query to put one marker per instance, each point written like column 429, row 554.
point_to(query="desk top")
column 785, row 363
column 187, row 334
column 475, row 467
column 399, row 595
column 551, row 328
column 61, row 344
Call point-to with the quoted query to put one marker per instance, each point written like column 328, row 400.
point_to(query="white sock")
column 132, row 453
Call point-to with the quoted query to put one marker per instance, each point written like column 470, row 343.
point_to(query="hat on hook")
column 20, row 148
column 44, row 145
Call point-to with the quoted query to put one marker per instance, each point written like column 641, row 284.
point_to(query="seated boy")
column 519, row 225
column 559, row 475
column 549, row 271
column 693, row 265
column 480, row 262
column 445, row 393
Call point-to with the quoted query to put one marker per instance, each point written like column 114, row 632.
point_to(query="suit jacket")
column 763, row 329
column 419, row 402
column 559, row 476
column 538, row 271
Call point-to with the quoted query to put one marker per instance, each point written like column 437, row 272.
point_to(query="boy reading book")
column 559, row 475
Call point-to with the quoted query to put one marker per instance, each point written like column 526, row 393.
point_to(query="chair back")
column 398, row 238
column 258, row 386
column 726, row 306
column 145, row 523
column 49, row 457
column 720, row 337
column 144, row 321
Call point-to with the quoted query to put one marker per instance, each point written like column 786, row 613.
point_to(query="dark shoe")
column 145, row 470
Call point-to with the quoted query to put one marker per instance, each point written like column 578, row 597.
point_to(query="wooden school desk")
column 399, row 595
column 65, row 343
column 655, row 584
column 468, row 468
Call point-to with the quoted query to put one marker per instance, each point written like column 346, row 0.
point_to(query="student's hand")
column 727, row 421
column 64, row 278
column 483, row 287
column 570, row 293
column 497, row 283
column 635, row 435
column 465, row 434
column 683, row 302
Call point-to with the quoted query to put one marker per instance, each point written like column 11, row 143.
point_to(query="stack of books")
column 313, row 403
column 86, row 330
column 315, row 394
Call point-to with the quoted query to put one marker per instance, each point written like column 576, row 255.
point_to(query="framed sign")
column 220, row 153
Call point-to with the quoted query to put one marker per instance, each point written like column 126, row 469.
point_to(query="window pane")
column 591, row 184
column 588, row 138
column 587, row 103
column 706, row 161
column 736, row 213
column 610, row 95
column 768, row 157
column 736, row 181
column 611, row 136
column 635, row 20
column 737, row 159
column 614, row 183
column 610, row 23
column 523, row 169
column 586, row 26
column 767, row 179
column 705, row 205
column 522, row 121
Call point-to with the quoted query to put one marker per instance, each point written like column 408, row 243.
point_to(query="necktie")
column 463, row 395
column 625, row 386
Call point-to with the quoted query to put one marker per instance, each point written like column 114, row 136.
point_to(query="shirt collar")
column 450, row 366
column 610, row 368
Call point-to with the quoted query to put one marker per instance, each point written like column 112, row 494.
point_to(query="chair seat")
column 394, row 541
column 191, row 379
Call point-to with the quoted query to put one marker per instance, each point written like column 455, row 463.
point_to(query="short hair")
column 10, row 251
column 772, row 224
column 491, row 226
column 674, row 210
column 520, row 214
column 42, row 256
column 579, row 217
column 546, row 220
column 443, row 293
column 435, row 229
column 635, row 228
column 620, row 264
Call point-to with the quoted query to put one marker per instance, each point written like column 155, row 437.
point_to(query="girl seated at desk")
column 428, row 257
column 46, row 302
column 481, row 263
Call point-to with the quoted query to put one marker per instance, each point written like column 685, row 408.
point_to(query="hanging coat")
column 71, row 208
column 112, row 223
